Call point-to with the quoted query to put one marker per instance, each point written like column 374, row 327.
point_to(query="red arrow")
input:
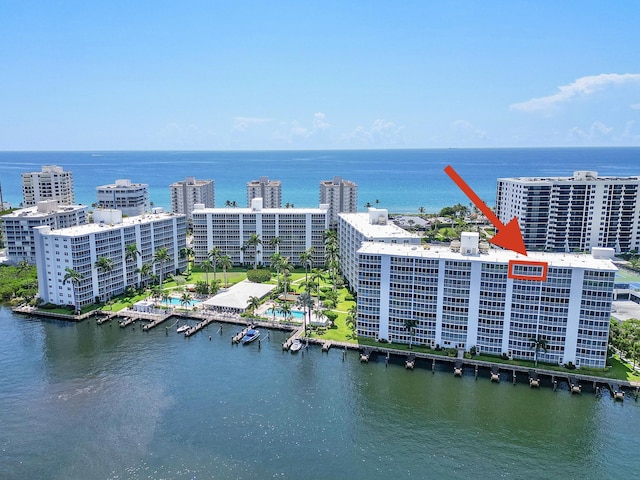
column 509, row 236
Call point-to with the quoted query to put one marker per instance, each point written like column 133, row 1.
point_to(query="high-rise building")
column 132, row 199
column 497, row 301
column 270, row 191
column 52, row 183
column 567, row 214
column 373, row 226
column 341, row 196
column 18, row 226
column 79, row 248
column 189, row 192
column 287, row 231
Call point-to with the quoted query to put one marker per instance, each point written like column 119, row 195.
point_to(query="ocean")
column 401, row 181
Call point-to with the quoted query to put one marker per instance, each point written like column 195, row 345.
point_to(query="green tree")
column 305, row 301
column 225, row 263
column 188, row 253
column 75, row 278
column 306, row 260
column 410, row 325
column 252, row 242
column 275, row 242
column 253, row 303
column 143, row 272
column 161, row 256
column 185, row 299
column 131, row 252
column 206, row 266
column 105, row 266
column 214, row 256
column 538, row 343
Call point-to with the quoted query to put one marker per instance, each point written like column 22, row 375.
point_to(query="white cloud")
column 581, row 87
column 242, row 123
column 597, row 131
column 292, row 132
column 635, row 106
column 381, row 134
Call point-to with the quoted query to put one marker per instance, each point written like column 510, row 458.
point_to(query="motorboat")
column 296, row 345
column 182, row 328
column 250, row 336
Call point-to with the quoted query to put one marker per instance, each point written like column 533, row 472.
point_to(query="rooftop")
column 103, row 226
column 362, row 223
column 568, row 260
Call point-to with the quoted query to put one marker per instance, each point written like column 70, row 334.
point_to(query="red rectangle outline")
column 541, row 278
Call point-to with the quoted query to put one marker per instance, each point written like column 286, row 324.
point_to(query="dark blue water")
column 402, row 180
column 82, row 401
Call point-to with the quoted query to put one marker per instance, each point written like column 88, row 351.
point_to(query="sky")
column 263, row 75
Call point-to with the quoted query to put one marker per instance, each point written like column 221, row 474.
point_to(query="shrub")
column 349, row 298
column 259, row 275
column 570, row 366
column 505, row 356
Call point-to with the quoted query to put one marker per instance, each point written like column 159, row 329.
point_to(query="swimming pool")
column 296, row 314
column 177, row 302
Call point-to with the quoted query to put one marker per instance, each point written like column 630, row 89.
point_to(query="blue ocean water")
column 401, row 180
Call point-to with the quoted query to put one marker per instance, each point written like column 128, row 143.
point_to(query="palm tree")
column 75, row 278
column 317, row 275
column 538, row 343
column 144, row 271
column 253, row 303
column 164, row 296
column 161, row 256
column 285, row 268
column 275, row 261
column 131, row 252
column 22, row 264
column 188, row 253
column 104, row 264
column 214, row 256
column 225, row 262
column 352, row 319
column 275, row 242
column 410, row 325
column 185, row 299
column 306, row 302
column 206, row 265
column 306, row 259
column 254, row 241
column 285, row 308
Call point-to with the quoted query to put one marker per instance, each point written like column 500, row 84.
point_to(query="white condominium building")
column 131, row 199
column 373, row 226
column 341, row 196
column 483, row 300
column 270, row 191
column 569, row 214
column 189, row 192
column 79, row 248
column 52, row 183
column 18, row 226
column 228, row 229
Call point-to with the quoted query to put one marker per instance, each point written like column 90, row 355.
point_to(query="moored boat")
column 296, row 345
column 182, row 328
column 250, row 336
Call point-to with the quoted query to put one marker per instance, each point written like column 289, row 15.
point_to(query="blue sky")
column 186, row 75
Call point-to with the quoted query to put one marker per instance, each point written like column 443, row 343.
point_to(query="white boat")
column 250, row 336
column 296, row 345
column 182, row 328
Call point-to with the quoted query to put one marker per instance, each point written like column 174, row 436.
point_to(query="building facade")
column 132, row 199
column 373, row 226
column 270, row 191
column 341, row 196
column 79, row 248
column 52, row 183
column 460, row 301
column 189, row 192
column 228, row 229
column 18, row 226
column 569, row 214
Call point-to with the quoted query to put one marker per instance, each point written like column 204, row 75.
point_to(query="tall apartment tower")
column 341, row 196
column 52, row 183
column 270, row 191
column 189, row 192
column 130, row 198
column 567, row 214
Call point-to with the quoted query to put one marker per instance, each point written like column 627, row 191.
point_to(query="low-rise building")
column 498, row 302
column 79, row 248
